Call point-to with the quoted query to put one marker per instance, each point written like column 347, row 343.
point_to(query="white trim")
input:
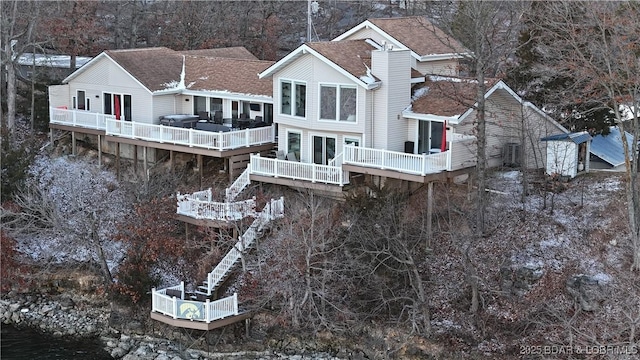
column 227, row 95
column 427, row 117
column 448, row 56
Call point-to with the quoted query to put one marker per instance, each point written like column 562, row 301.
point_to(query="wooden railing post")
column 235, row 303
column 190, row 137
column 246, row 137
column 73, row 117
column 424, row 164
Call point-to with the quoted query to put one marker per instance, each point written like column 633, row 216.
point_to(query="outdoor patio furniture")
column 207, row 126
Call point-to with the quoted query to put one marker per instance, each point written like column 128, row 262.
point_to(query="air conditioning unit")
column 511, row 154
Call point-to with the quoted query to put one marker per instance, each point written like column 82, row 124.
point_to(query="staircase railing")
column 238, row 185
column 272, row 210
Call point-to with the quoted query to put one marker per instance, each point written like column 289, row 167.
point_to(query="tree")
column 17, row 32
column 385, row 237
column 70, row 208
column 597, row 46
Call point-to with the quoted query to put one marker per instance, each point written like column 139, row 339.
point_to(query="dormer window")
column 338, row 102
column 293, row 98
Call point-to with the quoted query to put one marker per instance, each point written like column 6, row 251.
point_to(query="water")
column 23, row 344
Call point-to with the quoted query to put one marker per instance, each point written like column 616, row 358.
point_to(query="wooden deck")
column 198, row 325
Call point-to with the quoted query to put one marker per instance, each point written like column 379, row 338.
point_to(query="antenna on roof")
column 312, row 9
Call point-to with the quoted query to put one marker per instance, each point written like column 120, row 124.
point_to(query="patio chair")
column 217, row 117
column 280, row 155
column 203, row 115
column 292, row 156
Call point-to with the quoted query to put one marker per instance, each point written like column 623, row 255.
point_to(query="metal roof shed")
column 607, row 149
column 567, row 153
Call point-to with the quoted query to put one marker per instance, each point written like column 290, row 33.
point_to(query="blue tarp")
column 609, row 147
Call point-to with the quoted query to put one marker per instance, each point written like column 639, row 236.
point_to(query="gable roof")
column 155, row 68
column 416, row 33
column 237, row 52
column 352, row 58
column 163, row 70
column 227, row 75
column 609, row 147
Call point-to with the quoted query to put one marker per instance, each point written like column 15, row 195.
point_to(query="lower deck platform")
column 199, row 325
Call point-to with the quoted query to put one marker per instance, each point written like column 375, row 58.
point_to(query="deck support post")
column 99, row 150
column 135, row 159
column 171, row 161
column 200, row 172
column 118, row 160
column 51, row 144
column 73, row 144
column 145, row 167
column 429, row 213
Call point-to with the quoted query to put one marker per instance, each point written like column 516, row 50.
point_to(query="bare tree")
column 68, row 207
column 596, row 45
column 17, row 33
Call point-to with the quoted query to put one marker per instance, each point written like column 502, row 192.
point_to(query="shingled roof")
column 231, row 75
column 447, row 96
column 419, row 35
column 155, row 68
column 237, row 52
column 354, row 56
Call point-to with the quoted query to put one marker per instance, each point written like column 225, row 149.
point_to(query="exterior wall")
column 393, row 96
column 440, row 67
column 314, row 72
column 105, row 76
column 506, row 118
column 562, row 158
column 164, row 105
column 59, row 95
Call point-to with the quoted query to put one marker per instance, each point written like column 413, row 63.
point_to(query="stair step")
column 200, row 292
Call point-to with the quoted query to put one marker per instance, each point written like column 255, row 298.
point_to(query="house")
column 122, row 96
column 385, row 100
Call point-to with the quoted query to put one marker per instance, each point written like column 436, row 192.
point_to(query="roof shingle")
column 419, row 35
column 446, row 96
column 232, row 75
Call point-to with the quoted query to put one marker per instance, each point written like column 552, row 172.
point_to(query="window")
column 216, row 105
column 338, row 102
column 293, row 143
column 293, row 91
column 324, row 149
column 81, row 100
column 118, row 105
column 199, row 104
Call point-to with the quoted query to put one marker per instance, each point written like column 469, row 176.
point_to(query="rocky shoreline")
column 82, row 316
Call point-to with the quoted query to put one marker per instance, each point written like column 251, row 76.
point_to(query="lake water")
column 23, row 344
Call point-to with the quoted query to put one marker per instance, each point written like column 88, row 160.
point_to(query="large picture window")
column 293, row 98
column 293, row 143
column 338, row 102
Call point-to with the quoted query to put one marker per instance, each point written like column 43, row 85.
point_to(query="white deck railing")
column 296, row 170
column 84, row 119
column 188, row 205
column 395, row 160
column 163, row 134
column 206, row 311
